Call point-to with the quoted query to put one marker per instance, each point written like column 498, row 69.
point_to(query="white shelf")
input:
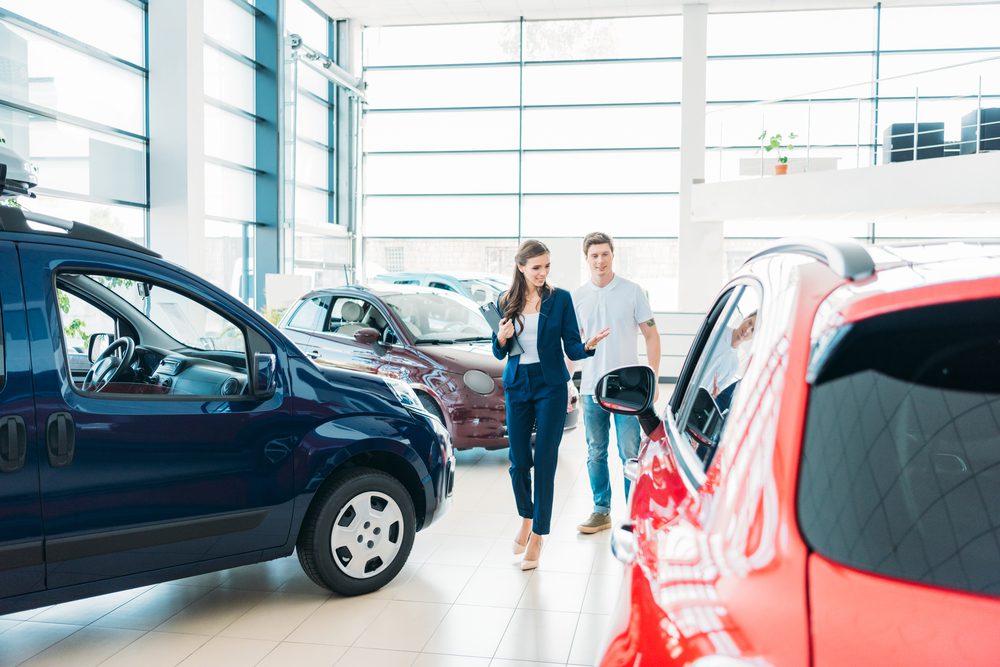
column 961, row 184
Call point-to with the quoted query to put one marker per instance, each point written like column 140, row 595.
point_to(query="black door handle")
column 13, row 444
column 60, row 437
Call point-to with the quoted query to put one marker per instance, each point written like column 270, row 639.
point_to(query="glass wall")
column 73, row 102
column 478, row 135
column 316, row 242
column 230, row 140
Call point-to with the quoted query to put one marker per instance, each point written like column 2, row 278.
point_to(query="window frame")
column 302, row 304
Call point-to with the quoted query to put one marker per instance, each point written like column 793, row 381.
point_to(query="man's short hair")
column 596, row 238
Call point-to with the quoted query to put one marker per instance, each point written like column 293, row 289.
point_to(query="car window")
column 443, row 286
column 347, row 316
column 709, row 393
column 167, row 343
column 900, row 470
column 439, row 317
column 311, row 314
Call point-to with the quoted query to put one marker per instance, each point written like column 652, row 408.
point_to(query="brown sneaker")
column 595, row 523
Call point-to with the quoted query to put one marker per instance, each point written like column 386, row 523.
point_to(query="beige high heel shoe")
column 519, row 548
column 532, row 564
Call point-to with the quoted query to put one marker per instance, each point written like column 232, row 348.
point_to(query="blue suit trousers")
column 533, row 402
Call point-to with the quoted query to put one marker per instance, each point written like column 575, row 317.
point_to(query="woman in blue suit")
column 543, row 321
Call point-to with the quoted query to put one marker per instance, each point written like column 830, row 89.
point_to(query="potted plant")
column 777, row 143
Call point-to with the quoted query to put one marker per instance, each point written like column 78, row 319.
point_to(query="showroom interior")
column 276, row 147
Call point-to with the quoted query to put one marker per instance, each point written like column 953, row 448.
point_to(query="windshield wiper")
column 429, row 341
column 472, row 339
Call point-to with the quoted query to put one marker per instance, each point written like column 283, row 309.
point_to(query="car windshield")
column 439, row 318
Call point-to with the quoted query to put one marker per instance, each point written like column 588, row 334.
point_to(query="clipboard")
column 493, row 318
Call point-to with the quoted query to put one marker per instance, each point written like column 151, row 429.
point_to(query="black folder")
column 493, row 317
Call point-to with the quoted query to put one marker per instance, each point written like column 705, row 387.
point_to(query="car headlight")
column 404, row 393
column 479, row 382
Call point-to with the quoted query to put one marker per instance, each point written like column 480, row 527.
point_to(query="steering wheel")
column 108, row 368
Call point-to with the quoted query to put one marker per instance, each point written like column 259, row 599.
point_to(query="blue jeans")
column 597, row 421
column 533, row 402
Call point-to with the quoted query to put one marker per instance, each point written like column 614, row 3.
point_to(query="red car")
column 824, row 487
column 439, row 343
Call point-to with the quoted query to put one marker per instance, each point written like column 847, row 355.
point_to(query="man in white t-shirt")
column 612, row 302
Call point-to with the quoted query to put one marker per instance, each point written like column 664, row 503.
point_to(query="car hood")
column 462, row 357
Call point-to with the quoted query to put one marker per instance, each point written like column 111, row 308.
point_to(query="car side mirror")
column 366, row 336
column 98, row 343
column 265, row 374
column 630, row 391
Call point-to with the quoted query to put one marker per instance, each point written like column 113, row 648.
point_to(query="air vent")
column 231, row 387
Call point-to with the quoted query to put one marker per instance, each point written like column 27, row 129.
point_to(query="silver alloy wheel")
column 367, row 535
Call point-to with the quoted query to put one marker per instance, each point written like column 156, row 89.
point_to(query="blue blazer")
column 557, row 329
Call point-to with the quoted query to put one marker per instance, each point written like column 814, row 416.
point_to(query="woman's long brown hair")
column 513, row 300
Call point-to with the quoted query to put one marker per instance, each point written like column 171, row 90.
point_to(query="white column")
column 702, row 263
column 177, row 131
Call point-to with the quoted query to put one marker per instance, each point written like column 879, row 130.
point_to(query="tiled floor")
column 460, row 601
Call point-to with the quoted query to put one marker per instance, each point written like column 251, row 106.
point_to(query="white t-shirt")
column 527, row 338
column 622, row 306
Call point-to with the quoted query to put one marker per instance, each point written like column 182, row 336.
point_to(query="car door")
column 310, row 316
column 22, row 568
column 160, row 478
column 335, row 345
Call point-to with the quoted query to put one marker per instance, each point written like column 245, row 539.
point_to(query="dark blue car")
column 153, row 427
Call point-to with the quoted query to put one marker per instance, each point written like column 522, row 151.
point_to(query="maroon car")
column 436, row 341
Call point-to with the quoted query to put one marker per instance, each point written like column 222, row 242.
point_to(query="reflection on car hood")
column 461, row 357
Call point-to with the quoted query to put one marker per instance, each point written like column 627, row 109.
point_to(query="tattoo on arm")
column 651, row 323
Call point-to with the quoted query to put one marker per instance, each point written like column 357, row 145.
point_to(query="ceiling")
column 411, row 12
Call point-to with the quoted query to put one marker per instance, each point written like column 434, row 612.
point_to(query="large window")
column 230, row 140
column 502, row 131
column 73, row 102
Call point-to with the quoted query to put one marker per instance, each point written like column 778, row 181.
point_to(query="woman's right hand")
column 505, row 332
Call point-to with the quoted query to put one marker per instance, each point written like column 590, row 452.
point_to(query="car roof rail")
column 847, row 258
column 13, row 219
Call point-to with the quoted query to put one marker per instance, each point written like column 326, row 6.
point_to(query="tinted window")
column 901, row 462
column 311, row 315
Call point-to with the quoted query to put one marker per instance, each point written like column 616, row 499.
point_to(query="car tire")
column 431, row 406
column 377, row 522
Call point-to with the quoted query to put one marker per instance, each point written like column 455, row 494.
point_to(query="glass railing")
column 942, row 112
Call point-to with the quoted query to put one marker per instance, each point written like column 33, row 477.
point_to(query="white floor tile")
column 590, row 637
column 503, row 662
column 461, row 550
column 157, row 649
column 602, row 592
column 435, row 582
column 87, row 610
column 32, row 638
column 474, row 631
column 495, row 587
column 230, row 651
column 555, row 591
column 89, row 646
column 403, row 626
column 367, row 657
column 209, row 615
column 543, row 636
column 437, row 660
column 287, row 654
column 274, row 618
column 338, row 621
column 153, row 607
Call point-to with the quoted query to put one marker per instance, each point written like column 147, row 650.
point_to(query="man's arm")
column 652, row 336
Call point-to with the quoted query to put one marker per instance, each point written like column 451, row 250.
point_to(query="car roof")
column 377, row 289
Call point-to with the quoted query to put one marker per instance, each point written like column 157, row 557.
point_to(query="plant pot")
column 780, row 169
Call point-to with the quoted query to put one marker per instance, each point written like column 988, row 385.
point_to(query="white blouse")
column 528, row 339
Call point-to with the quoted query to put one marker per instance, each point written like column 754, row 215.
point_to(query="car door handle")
column 60, row 438
column 13, row 444
column 313, row 354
